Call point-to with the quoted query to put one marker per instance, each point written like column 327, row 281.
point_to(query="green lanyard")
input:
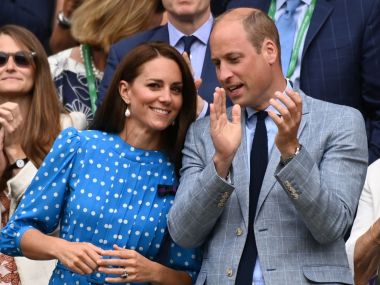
column 86, row 51
column 300, row 35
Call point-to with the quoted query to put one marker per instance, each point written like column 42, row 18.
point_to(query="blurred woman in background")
column 97, row 25
column 31, row 117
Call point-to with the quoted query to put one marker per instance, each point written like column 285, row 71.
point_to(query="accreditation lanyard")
column 86, row 51
column 300, row 35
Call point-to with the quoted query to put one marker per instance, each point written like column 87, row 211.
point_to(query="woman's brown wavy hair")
column 42, row 124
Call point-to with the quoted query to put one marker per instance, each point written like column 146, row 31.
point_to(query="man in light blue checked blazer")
column 317, row 160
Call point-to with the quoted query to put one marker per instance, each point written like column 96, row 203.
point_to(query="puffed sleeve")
column 179, row 258
column 41, row 206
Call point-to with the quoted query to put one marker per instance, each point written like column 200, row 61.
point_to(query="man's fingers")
column 280, row 108
column 217, row 103
column 276, row 118
column 212, row 116
column 296, row 98
column 236, row 114
column 223, row 96
column 286, row 101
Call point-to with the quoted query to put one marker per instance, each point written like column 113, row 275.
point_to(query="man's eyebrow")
column 233, row 53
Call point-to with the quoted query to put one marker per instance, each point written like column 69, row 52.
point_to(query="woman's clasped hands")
column 120, row 265
column 127, row 266
column 10, row 132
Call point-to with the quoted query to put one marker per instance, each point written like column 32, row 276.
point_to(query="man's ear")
column 124, row 91
column 270, row 51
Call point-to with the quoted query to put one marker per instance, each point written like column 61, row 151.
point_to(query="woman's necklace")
column 97, row 72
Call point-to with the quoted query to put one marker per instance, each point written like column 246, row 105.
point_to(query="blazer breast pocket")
column 328, row 274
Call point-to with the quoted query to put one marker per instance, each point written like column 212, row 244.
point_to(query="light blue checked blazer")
column 304, row 208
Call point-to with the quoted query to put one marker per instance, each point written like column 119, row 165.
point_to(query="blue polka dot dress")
column 101, row 190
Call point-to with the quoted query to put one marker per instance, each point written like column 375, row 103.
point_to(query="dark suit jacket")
column 118, row 50
column 341, row 57
column 34, row 15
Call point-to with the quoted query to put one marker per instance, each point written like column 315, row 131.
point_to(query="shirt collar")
column 280, row 3
column 203, row 33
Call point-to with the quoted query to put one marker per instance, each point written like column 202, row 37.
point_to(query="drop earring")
column 127, row 112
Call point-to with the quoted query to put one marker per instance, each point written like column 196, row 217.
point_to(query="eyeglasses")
column 20, row 58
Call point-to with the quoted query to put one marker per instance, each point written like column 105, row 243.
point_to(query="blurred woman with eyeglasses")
column 31, row 117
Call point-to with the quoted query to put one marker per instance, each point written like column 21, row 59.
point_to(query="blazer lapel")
column 241, row 174
column 161, row 34
column 274, row 158
column 209, row 79
column 321, row 13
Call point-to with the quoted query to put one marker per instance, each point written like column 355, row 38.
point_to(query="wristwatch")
column 285, row 161
column 63, row 22
column 19, row 163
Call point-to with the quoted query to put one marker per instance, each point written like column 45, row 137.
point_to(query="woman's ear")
column 124, row 91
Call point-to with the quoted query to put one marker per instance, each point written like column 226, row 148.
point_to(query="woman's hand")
column 80, row 257
column 11, row 122
column 137, row 267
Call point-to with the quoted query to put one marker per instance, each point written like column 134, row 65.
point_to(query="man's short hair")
column 258, row 27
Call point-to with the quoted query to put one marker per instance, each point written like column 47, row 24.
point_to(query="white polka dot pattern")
column 109, row 191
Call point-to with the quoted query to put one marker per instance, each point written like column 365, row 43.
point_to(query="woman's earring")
column 173, row 123
column 127, row 112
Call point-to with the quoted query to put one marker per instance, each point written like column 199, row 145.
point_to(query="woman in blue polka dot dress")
column 110, row 188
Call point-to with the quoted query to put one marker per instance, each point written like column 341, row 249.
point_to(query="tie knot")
column 291, row 6
column 261, row 115
column 188, row 42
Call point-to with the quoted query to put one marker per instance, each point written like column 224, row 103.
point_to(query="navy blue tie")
column 287, row 27
column 188, row 41
column 258, row 166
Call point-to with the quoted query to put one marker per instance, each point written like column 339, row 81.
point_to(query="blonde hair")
column 102, row 23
